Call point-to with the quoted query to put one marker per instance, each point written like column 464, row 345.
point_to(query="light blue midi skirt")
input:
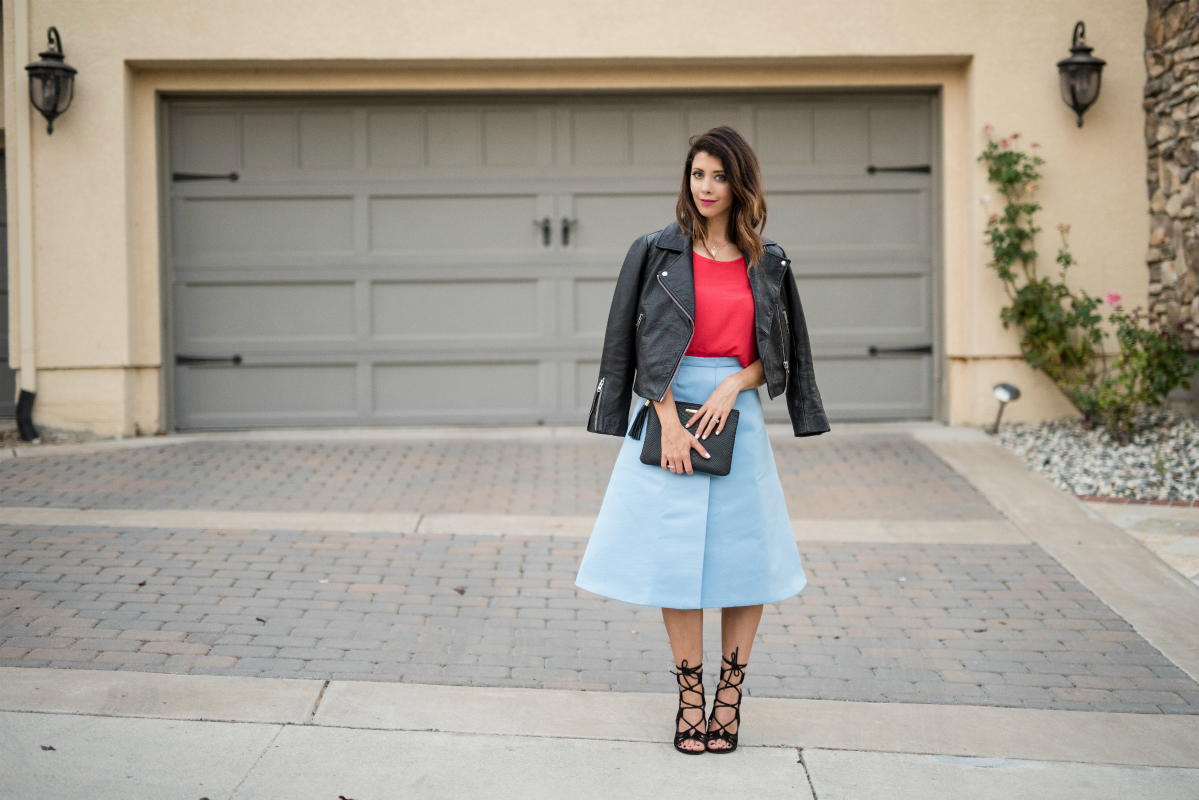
column 696, row 541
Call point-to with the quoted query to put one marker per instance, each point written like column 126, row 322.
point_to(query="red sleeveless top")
column 724, row 311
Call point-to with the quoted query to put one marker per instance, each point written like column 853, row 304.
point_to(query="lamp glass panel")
column 43, row 91
column 66, row 88
column 1080, row 85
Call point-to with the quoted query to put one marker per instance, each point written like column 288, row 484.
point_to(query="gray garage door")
column 8, row 378
column 404, row 262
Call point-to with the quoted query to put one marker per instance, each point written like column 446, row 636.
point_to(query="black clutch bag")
column 718, row 445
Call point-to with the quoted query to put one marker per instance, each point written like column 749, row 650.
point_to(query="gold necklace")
column 717, row 250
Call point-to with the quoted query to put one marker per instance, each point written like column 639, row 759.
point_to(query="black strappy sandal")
column 691, row 679
column 721, row 733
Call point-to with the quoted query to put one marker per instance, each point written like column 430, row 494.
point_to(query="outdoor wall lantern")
column 1080, row 74
column 51, row 81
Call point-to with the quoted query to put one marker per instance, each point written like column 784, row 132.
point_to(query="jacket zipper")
column 689, row 338
column 783, row 342
column 599, row 395
column 639, row 318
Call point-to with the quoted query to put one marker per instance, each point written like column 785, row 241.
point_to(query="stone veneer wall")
column 1171, row 128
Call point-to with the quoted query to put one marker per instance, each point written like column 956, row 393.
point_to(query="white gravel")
column 1160, row 463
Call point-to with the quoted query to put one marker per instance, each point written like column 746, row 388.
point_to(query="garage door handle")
column 567, row 224
column 205, row 176
column 920, row 348
column 235, row 360
column 924, row 169
column 547, row 230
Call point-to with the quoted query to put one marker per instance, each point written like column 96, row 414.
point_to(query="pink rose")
column 1114, row 299
column 988, row 129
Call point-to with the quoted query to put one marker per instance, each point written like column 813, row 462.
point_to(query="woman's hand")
column 714, row 413
column 677, row 441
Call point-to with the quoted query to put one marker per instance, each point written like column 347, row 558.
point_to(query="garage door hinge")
column 204, row 176
column 920, row 348
column 924, row 169
column 235, row 360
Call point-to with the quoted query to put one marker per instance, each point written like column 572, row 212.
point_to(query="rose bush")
column 1061, row 329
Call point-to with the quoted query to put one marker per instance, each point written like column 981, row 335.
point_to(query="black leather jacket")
column 653, row 317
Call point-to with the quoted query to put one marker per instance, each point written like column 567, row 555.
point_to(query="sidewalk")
column 120, row 735
column 959, row 608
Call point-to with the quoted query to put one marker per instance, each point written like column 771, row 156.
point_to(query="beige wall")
column 97, row 311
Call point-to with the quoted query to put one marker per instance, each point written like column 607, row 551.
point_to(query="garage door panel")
column 206, row 142
column 218, row 313
column 874, row 388
column 263, row 394
column 702, row 120
column 816, row 262
column 327, row 140
column 849, row 220
column 599, row 137
column 592, row 301
column 840, row 135
column 875, row 309
column 396, row 139
column 613, row 222
column 263, row 225
column 510, row 138
column 784, row 135
column 659, row 136
column 459, row 224
column 485, row 389
column 269, row 141
column 899, row 136
column 454, row 139
column 457, row 309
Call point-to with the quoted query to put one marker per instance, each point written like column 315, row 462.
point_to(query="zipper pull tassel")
column 639, row 421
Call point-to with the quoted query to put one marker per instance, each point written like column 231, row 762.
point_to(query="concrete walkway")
column 969, row 630
column 1169, row 531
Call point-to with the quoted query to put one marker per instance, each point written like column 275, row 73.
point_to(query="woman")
column 705, row 311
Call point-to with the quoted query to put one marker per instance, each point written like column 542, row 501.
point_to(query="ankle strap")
column 734, row 670
column 691, row 679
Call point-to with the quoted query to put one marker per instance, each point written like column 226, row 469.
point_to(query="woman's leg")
column 685, row 627
column 738, row 626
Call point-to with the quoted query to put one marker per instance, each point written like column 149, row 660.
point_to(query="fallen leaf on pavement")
column 460, row 589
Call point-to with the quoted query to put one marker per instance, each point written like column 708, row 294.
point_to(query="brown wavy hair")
column 748, row 215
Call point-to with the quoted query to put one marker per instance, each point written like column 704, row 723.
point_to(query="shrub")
column 1061, row 329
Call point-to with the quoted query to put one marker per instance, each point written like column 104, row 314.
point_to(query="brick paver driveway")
column 989, row 624
column 844, row 477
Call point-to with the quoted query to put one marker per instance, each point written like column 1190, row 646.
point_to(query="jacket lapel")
column 678, row 274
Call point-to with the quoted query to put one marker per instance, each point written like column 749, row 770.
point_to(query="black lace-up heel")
column 691, row 679
column 721, row 733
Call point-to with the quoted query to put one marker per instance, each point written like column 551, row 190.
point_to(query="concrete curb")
column 973, row 731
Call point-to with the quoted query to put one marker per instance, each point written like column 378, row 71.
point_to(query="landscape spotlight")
column 1004, row 393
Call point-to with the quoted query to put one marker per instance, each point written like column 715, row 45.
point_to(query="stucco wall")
column 95, row 181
